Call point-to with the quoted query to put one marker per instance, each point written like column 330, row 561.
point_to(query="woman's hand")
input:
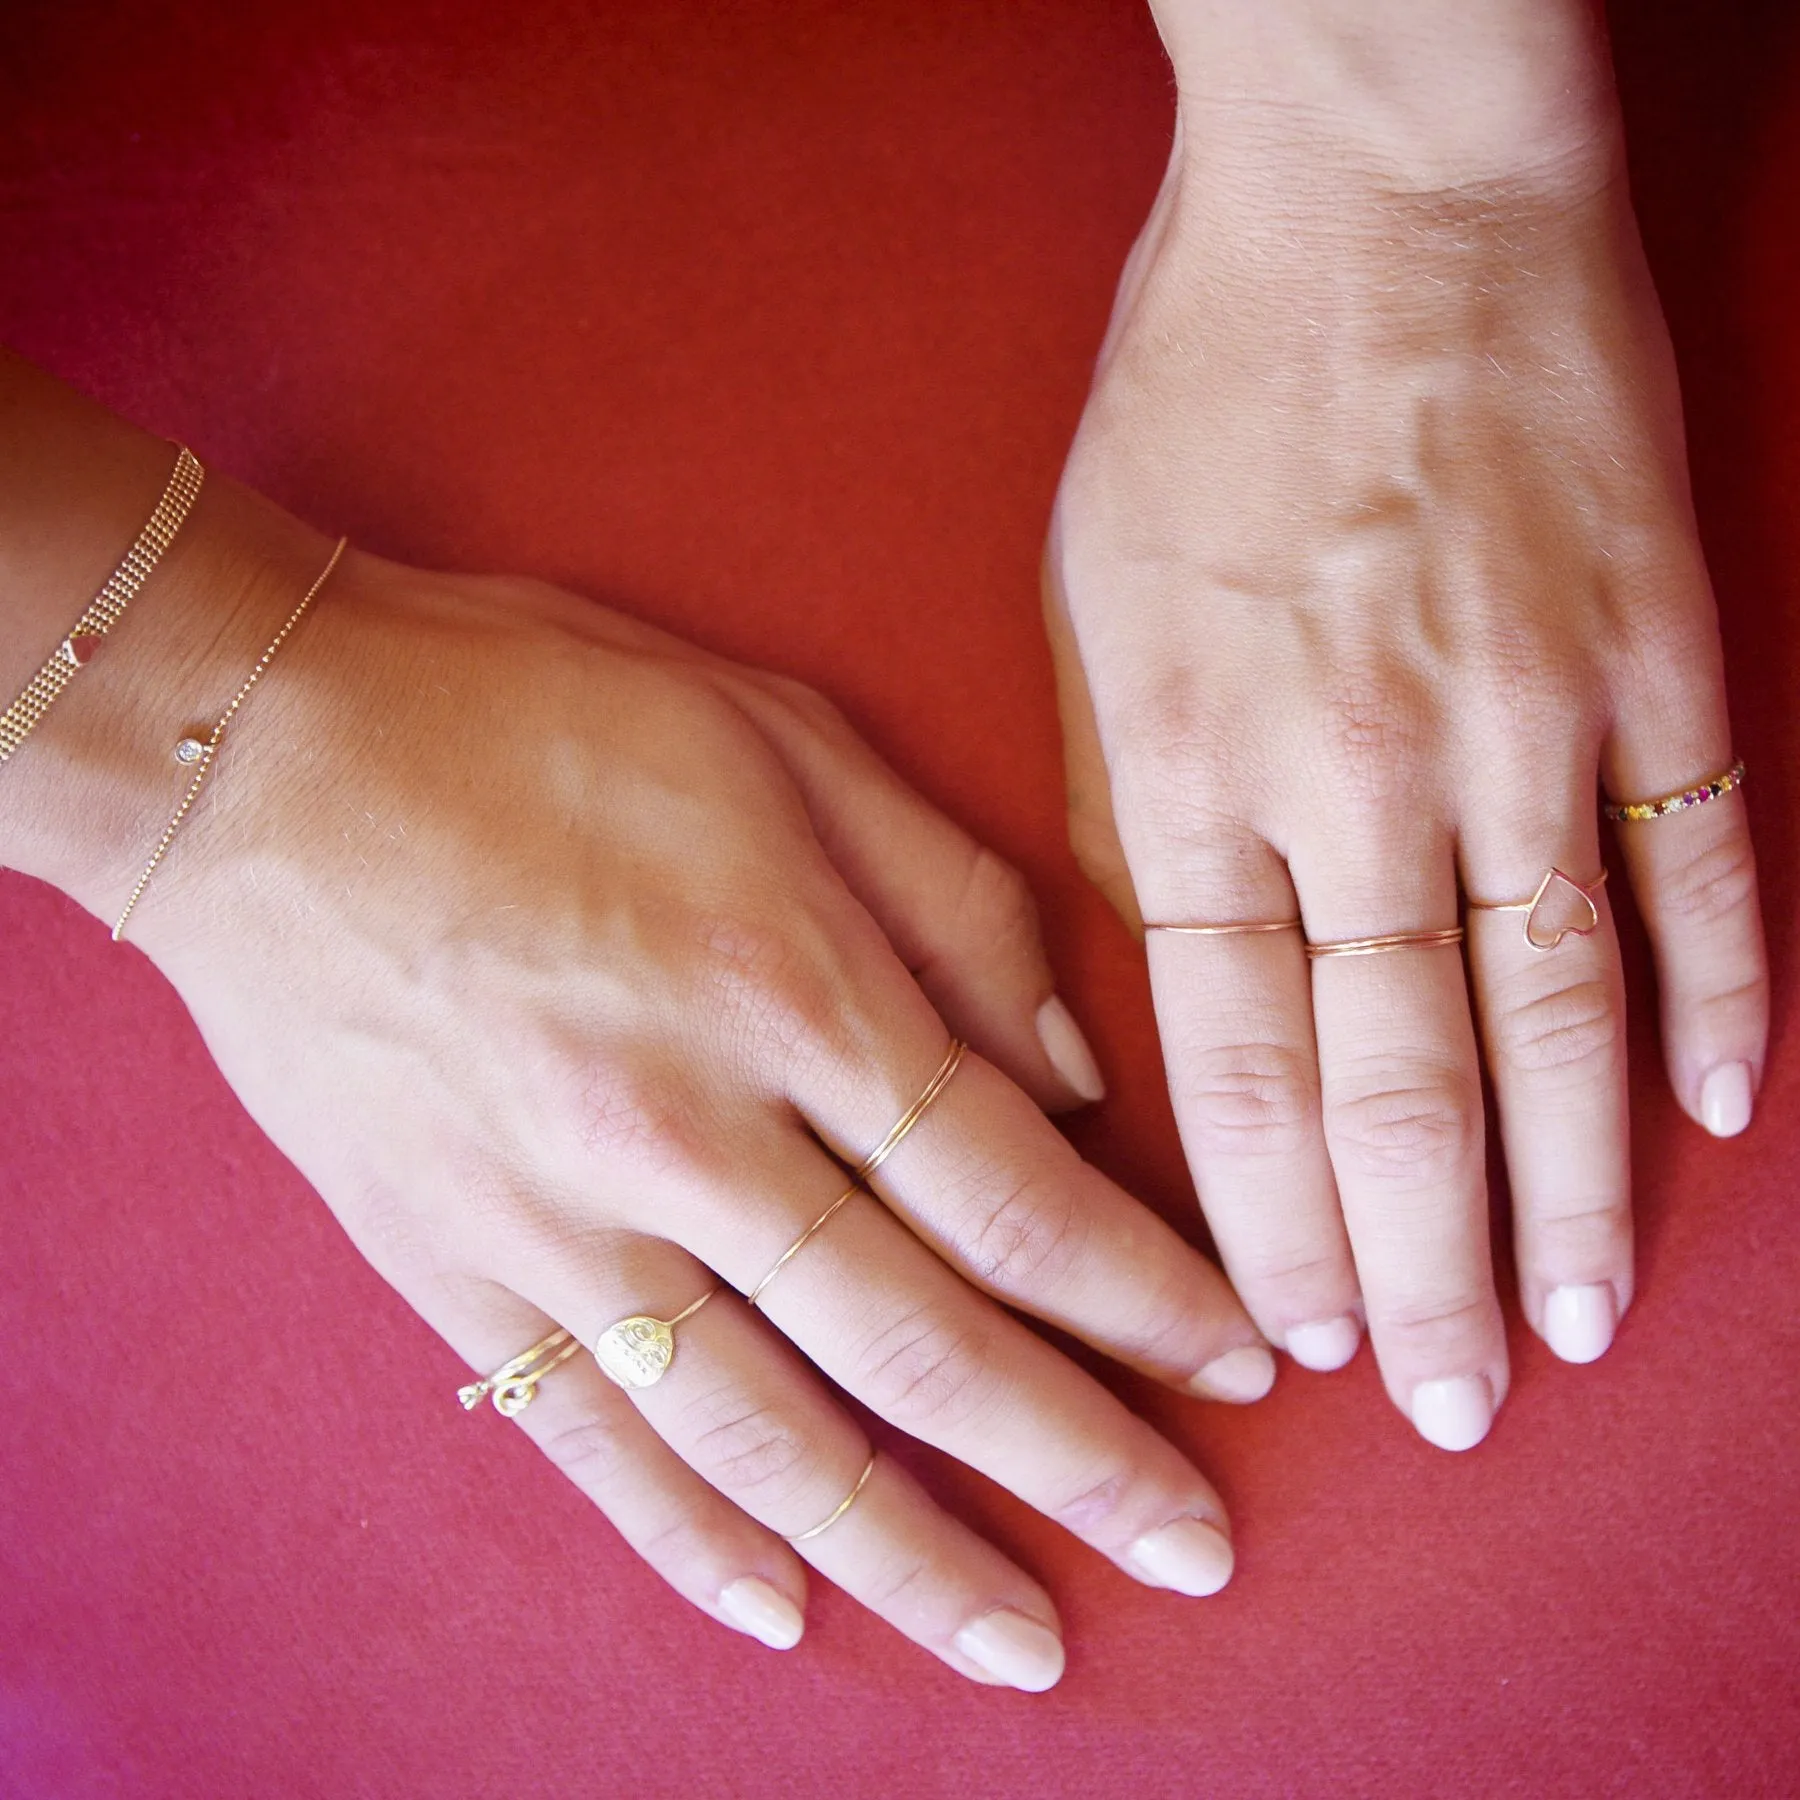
column 1373, row 558
column 563, row 959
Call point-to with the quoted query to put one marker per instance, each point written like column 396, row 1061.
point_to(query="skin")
column 1373, row 559
column 572, row 965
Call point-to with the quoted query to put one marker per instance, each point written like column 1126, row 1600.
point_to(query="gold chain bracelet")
column 200, row 754
column 107, row 607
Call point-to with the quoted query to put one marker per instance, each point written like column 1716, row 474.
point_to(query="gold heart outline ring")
column 1553, row 882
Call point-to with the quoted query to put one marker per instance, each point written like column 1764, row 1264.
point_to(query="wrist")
column 85, row 799
column 1315, row 104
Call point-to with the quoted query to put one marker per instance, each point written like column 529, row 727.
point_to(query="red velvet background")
column 770, row 320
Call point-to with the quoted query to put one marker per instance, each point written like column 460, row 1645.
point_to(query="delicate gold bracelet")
column 108, row 606
column 200, row 754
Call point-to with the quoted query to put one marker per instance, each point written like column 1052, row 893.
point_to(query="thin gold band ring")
column 805, row 1238
column 1247, row 930
column 843, row 1506
column 1397, row 940
column 914, row 1113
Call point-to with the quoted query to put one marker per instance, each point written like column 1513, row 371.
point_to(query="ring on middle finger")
column 1554, row 888
column 1394, row 940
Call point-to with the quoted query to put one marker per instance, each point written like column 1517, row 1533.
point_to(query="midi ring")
column 1245, row 930
column 914, row 1113
column 514, row 1384
column 1714, row 787
column 843, row 1506
column 1397, row 940
column 636, row 1352
column 1553, row 886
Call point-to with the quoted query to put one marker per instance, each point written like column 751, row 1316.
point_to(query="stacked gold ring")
column 933, row 1089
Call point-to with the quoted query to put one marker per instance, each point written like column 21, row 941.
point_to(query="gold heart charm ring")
column 1561, row 908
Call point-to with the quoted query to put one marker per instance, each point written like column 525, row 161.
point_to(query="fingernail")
column 766, row 1613
column 1239, row 1375
column 1325, row 1344
column 1453, row 1414
column 1189, row 1555
column 1068, row 1050
column 1014, row 1649
column 1579, row 1321
column 1725, row 1100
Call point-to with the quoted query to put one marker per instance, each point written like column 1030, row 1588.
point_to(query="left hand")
column 1374, row 556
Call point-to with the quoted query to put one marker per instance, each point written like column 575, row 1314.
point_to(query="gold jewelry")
column 800, row 1243
column 914, row 1113
column 191, row 751
column 636, row 1352
column 842, row 1507
column 1714, row 787
column 1398, row 940
column 514, row 1384
column 1228, row 930
column 1554, row 882
column 107, row 607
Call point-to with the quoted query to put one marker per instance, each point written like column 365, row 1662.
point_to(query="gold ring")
column 514, row 1384
column 1553, row 883
column 799, row 1243
column 1398, row 940
column 1714, row 787
column 1228, row 930
column 636, row 1352
column 843, row 1506
column 914, row 1113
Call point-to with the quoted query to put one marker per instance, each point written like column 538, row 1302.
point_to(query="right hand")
column 563, row 959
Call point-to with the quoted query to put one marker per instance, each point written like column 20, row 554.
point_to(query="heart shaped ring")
column 1547, row 913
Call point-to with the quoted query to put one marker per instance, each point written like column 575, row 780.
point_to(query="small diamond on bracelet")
column 189, row 751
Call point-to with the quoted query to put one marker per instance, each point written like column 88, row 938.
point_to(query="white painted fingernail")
column 1325, row 1344
column 1725, row 1099
column 764, row 1612
column 1239, row 1375
column 1579, row 1321
column 1014, row 1649
column 1068, row 1050
column 1188, row 1555
column 1453, row 1414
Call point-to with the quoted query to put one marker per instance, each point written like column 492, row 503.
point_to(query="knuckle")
column 589, row 1452
column 1413, row 1130
column 777, row 978
column 1097, row 1501
column 925, row 1374
column 1372, row 739
column 1571, row 1230
column 1571, row 1027
column 996, row 905
column 634, row 1111
column 1248, row 1099
column 1032, row 1234
column 1710, row 887
column 752, row 1451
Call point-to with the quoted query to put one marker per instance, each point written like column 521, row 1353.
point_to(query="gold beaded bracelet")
column 199, row 754
column 108, row 606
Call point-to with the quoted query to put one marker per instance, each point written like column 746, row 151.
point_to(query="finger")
column 1552, row 1017
column 746, row 1416
column 1235, row 1015
column 1693, row 874
column 1003, row 1197
column 1403, row 1121
column 961, row 919
column 706, row 1549
column 893, row 1325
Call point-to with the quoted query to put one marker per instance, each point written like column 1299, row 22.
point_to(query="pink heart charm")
column 79, row 647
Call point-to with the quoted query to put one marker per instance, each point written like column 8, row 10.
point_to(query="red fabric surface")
column 770, row 321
